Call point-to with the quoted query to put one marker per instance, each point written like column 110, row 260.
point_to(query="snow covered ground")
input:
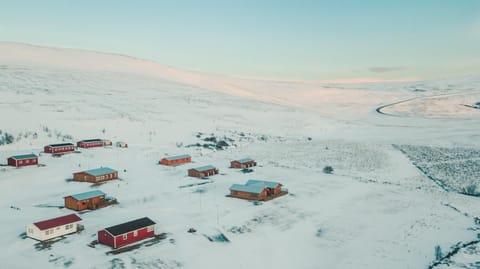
column 376, row 210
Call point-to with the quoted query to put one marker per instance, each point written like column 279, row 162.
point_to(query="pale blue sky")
column 296, row 39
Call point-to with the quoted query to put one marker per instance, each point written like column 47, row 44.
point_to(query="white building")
column 48, row 229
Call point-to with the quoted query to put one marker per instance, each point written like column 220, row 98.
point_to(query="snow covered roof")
column 247, row 188
column 130, row 226
column 22, row 157
column 87, row 195
column 267, row 184
column 100, row 171
column 245, row 160
column 254, row 186
column 178, row 157
column 60, row 145
column 205, row 168
column 55, row 222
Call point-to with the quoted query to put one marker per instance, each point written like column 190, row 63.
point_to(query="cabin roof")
column 25, row 156
column 172, row 158
column 100, row 171
column 130, row 226
column 55, row 222
column 87, row 195
column 245, row 160
column 60, row 145
column 91, row 140
column 204, row 168
column 247, row 188
column 254, row 186
column 267, row 184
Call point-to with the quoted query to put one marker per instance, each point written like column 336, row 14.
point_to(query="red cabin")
column 127, row 233
column 90, row 143
column 176, row 160
column 59, row 148
column 23, row 160
column 243, row 163
column 204, row 171
column 257, row 190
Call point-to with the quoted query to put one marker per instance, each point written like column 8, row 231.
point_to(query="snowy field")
column 376, row 210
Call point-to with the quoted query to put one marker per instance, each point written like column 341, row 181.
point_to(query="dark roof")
column 55, row 222
column 130, row 226
column 60, row 145
column 91, row 140
column 26, row 156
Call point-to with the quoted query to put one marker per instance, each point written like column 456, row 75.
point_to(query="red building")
column 59, row 148
column 176, row 160
column 96, row 175
column 23, row 160
column 88, row 200
column 257, row 190
column 204, row 171
column 243, row 163
column 90, row 143
column 127, row 233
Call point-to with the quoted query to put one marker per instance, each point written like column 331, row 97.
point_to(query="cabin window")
column 20, row 162
column 125, row 237
column 135, row 233
column 234, row 192
column 27, row 161
column 150, row 228
column 253, row 194
column 30, row 230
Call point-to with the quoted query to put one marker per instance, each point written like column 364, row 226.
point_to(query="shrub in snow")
column 471, row 190
column 6, row 139
column 438, row 253
column 328, row 170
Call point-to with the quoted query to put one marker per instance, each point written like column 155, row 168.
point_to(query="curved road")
column 379, row 109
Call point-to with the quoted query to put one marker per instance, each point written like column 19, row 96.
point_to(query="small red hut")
column 127, row 233
column 96, row 175
column 23, row 160
column 88, row 200
column 257, row 190
column 176, row 160
column 243, row 163
column 203, row 171
column 59, row 148
column 90, row 143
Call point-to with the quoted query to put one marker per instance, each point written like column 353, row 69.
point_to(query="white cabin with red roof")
column 51, row 228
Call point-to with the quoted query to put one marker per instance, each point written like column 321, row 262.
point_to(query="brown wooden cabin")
column 257, row 190
column 243, row 163
column 204, row 171
column 87, row 200
column 96, row 175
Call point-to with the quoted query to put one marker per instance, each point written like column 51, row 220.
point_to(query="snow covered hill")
column 376, row 210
